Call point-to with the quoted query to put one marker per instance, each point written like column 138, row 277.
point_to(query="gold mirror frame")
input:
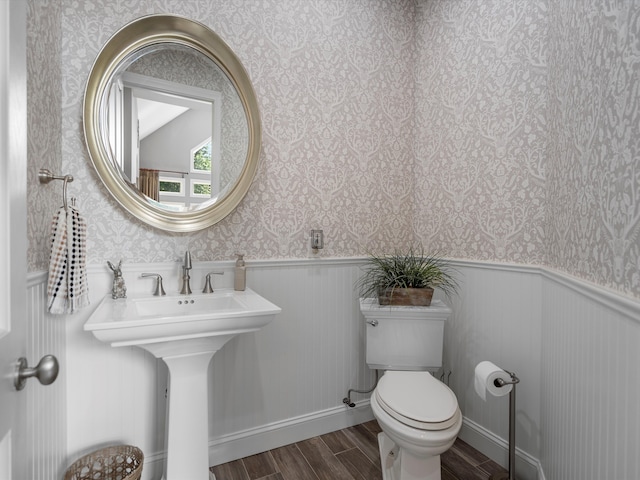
column 141, row 33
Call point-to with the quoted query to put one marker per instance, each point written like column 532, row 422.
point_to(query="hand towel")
column 67, row 288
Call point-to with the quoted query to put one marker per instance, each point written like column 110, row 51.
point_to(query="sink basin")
column 147, row 320
column 185, row 331
column 171, row 306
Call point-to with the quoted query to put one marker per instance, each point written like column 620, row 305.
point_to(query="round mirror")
column 171, row 123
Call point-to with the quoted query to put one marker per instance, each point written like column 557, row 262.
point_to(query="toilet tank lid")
column 371, row 309
column 417, row 396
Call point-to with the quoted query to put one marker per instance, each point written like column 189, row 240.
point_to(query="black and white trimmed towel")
column 67, row 289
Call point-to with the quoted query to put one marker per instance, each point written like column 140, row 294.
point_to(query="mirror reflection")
column 175, row 126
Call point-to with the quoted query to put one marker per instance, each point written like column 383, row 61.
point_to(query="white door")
column 13, row 262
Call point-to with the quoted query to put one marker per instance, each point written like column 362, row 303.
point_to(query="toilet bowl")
column 419, row 418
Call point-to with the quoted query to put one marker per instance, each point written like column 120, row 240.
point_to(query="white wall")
column 570, row 344
column 590, row 382
column 575, row 347
column 497, row 318
column 169, row 147
column 45, row 406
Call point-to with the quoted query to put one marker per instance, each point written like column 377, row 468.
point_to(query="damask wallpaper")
column 493, row 130
column 334, row 83
column 481, row 130
column 44, row 118
column 593, row 167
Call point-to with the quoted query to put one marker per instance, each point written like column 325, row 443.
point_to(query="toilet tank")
column 404, row 338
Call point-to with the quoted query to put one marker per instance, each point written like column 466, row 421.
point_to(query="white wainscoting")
column 46, row 406
column 575, row 349
column 496, row 317
column 590, row 382
column 268, row 388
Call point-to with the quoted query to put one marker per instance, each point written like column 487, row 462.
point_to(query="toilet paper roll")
column 486, row 374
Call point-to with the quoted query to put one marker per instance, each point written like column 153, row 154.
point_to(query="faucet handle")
column 187, row 260
column 207, row 284
column 159, row 291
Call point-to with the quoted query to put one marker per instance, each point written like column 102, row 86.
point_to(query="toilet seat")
column 418, row 400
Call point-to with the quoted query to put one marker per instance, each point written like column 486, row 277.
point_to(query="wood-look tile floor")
column 349, row 454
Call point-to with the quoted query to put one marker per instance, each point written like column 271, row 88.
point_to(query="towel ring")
column 46, row 176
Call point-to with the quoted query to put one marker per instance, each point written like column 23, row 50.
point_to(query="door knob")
column 46, row 371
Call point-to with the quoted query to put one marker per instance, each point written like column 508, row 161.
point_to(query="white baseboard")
column 256, row 440
column 496, row 448
column 267, row 437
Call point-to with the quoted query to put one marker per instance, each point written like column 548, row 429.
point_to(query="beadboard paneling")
column 569, row 345
column 319, row 352
column 575, row 346
column 590, row 383
column 46, row 406
column 496, row 317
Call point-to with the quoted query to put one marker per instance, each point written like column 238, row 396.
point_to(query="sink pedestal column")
column 187, row 422
column 188, row 408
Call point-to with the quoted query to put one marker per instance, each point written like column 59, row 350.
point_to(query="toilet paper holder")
column 499, row 382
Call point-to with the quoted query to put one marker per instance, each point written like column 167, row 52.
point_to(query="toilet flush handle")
column 373, row 323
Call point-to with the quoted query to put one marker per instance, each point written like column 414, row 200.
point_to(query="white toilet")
column 418, row 414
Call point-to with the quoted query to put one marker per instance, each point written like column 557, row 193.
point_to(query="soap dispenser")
column 240, row 281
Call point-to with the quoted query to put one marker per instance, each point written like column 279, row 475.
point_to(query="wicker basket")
column 118, row 462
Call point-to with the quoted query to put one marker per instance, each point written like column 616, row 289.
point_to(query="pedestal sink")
column 185, row 331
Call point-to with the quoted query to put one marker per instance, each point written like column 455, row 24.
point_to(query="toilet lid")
column 417, row 399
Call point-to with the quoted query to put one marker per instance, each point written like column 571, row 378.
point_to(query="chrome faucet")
column 186, row 287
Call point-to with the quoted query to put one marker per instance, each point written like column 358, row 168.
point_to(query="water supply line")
column 347, row 400
column 448, row 377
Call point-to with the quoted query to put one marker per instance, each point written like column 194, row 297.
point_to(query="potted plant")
column 406, row 278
